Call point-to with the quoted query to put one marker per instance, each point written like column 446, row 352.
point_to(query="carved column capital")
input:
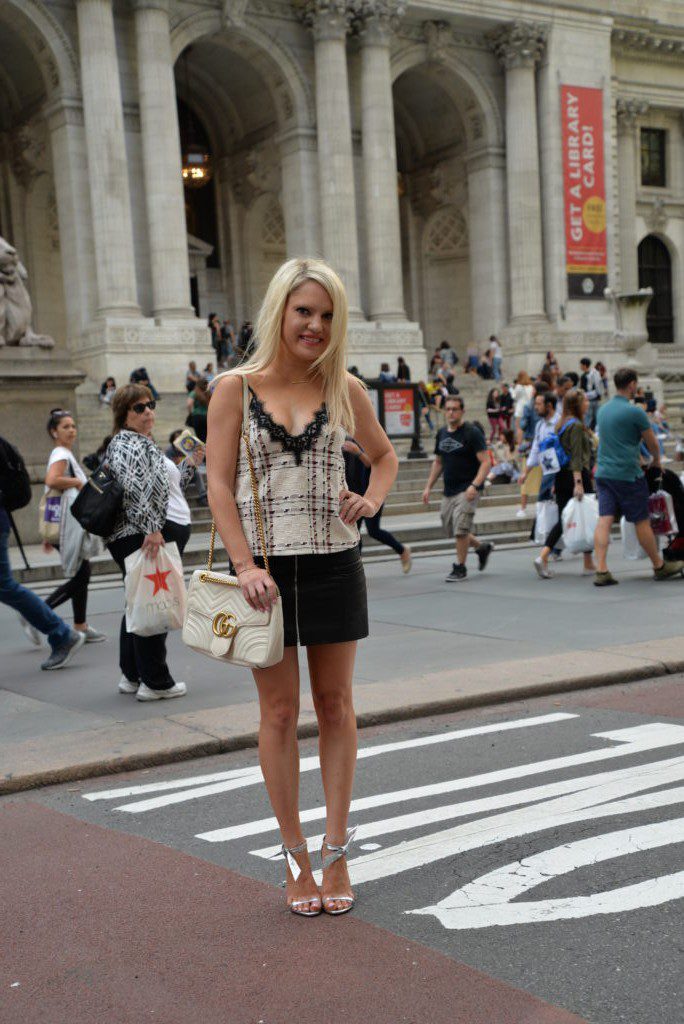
column 628, row 112
column 520, row 44
column 438, row 38
column 377, row 20
column 327, row 19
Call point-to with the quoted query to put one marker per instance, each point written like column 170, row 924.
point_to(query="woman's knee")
column 333, row 708
column 280, row 714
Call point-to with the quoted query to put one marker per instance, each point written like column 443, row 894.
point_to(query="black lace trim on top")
column 295, row 443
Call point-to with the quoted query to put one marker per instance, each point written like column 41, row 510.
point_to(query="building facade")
column 426, row 150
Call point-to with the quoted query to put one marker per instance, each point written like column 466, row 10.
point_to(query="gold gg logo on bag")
column 224, row 625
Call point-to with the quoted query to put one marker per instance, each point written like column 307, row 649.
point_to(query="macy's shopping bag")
column 580, row 518
column 547, row 517
column 661, row 513
column 155, row 592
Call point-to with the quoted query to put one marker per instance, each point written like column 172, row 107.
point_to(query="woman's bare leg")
column 331, row 667
column 278, row 689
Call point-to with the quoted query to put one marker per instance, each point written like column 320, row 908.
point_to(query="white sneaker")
column 543, row 572
column 521, row 513
column 31, row 631
column 177, row 690
column 126, row 686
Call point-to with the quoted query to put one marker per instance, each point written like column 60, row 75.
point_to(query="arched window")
column 655, row 271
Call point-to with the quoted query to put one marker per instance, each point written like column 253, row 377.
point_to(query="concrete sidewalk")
column 502, row 635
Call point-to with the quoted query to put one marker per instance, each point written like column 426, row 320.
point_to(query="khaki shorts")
column 532, row 482
column 458, row 514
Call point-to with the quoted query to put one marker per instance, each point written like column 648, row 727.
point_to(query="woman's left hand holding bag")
column 150, row 546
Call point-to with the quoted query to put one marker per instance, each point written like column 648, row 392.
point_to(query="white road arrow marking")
column 636, row 740
column 487, row 901
column 473, row 835
column 419, row 819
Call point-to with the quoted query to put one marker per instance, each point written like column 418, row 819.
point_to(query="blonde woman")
column 303, row 403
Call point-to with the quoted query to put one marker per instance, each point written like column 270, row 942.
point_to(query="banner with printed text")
column 584, row 191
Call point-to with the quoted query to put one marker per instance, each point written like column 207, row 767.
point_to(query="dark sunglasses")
column 141, row 406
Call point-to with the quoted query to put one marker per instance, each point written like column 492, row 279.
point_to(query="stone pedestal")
column 31, row 384
column 113, row 347
column 371, row 344
column 631, row 336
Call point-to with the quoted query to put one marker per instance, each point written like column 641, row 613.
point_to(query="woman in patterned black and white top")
column 153, row 511
column 303, row 402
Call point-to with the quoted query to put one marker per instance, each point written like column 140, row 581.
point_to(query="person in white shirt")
column 523, row 392
column 497, row 356
column 64, row 473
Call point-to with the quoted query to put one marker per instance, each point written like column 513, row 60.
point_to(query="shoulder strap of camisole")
column 245, row 406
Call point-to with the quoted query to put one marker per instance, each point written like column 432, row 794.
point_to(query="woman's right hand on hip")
column 151, row 545
column 259, row 588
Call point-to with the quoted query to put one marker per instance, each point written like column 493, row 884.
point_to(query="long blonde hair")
column 332, row 363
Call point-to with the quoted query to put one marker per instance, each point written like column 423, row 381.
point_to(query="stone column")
column 628, row 112
column 381, row 198
column 161, row 161
column 300, row 191
column 65, row 121
column 107, row 163
column 519, row 47
column 330, row 20
column 487, row 241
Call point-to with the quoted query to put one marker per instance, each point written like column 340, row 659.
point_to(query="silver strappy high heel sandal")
column 294, row 867
column 336, row 853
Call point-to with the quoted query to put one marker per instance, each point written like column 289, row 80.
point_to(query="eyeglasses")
column 140, row 407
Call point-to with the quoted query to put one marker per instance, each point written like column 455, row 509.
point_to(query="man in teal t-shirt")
column 620, row 483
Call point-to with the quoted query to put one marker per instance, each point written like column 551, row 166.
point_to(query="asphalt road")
column 537, row 843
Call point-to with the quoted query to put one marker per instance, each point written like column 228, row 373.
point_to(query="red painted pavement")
column 98, row 926
column 660, row 697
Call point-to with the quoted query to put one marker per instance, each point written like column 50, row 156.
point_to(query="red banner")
column 584, row 191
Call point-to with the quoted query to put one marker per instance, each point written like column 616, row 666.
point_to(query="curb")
column 642, row 669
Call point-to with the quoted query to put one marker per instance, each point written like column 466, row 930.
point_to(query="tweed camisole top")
column 299, row 478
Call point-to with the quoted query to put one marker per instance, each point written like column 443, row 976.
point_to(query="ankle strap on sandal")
column 288, row 854
column 337, row 852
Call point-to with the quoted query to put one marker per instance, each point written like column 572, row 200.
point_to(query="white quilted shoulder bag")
column 218, row 621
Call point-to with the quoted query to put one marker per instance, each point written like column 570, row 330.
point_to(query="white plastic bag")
column 547, row 517
column 75, row 544
column 155, row 592
column 631, row 548
column 580, row 517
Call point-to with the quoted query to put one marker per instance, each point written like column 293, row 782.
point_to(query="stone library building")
column 469, row 168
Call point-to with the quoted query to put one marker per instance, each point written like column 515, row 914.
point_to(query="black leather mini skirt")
column 324, row 597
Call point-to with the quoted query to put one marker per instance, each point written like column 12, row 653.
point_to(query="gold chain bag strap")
column 219, row 621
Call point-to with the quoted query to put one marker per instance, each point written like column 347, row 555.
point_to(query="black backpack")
column 15, row 485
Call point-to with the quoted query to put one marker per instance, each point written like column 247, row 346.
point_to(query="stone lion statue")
column 15, row 304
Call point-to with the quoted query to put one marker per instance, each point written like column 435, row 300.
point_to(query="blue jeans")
column 496, row 367
column 28, row 604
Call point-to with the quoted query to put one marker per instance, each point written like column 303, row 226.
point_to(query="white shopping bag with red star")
column 155, row 592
